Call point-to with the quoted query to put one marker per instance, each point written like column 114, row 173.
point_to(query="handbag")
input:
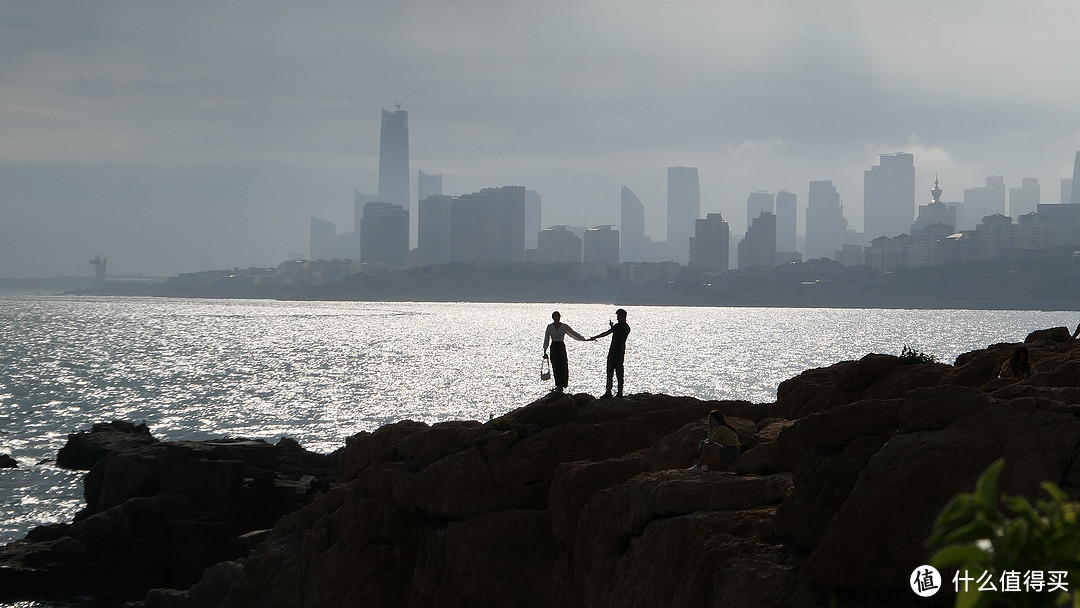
column 545, row 370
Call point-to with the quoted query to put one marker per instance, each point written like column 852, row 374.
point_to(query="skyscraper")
column 889, row 196
column 428, row 184
column 384, row 237
column 632, row 226
column 1025, row 199
column 786, row 219
column 359, row 200
column 488, row 226
column 394, row 158
column 983, row 201
column 1075, row 198
column 558, row 244
column 756, row 203
column 758, row 248
column 601, row 244
column 825, row 222
column 433, row 229
column 533, row 204
column 684, row 207
column 323, row 233
column 709, row 248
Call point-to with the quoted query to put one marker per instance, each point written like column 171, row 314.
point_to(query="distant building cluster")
column 502, row 225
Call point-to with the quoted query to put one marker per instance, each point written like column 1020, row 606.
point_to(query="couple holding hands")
column 556, row 333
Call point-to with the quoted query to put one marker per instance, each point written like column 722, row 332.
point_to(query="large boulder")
column 86, row 448
column 1054, row 334
column 874, row 376
column 677, row 538
column 159, row 513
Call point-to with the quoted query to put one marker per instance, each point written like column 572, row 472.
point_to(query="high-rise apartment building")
column 756, row 203
column 710, row 245
column 359, row 200
column 632, row 226
column 601, row 245
column 787, row 213
column 889, row 196
column 983, row 201
column 1024, row 199
column 323, row 235
column 433, row 229
column 1065, row 219
column 684, row 207
column 758, row 248
column 489, row 226
column 428, row 184
column 384, row 235
column 558, row 244
column 533, row 204
column 825, row 222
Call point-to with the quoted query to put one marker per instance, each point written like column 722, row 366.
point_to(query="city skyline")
column 169, row 139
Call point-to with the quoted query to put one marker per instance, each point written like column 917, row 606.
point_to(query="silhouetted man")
column 619, row 331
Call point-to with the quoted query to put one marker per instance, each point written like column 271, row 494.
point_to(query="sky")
column 182, row 136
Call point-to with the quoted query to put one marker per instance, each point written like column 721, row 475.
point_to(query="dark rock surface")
column 159, row 513
column 85, row 449
column 7, row 462
column 573, row 502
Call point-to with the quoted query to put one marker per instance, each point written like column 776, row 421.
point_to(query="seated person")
column 1018, row 366
column 722, row 443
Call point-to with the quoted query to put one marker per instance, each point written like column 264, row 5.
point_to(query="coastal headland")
column 571, row 501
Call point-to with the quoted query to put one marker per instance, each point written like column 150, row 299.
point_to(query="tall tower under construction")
column 394, row 158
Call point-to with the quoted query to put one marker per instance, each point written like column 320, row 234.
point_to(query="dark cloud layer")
column 162, row 135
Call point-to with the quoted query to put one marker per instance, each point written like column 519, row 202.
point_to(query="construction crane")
column 397, row 104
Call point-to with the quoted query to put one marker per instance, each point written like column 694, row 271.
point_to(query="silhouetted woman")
column 721, row 443
column 560, row 366
column 1019, row 366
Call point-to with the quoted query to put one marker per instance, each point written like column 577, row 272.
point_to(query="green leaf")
column 959, row 507
column 956, row 555
column 1020, row 506
column 1055, row 493
column 986, row 488
column 969, row 532
column 973, row 598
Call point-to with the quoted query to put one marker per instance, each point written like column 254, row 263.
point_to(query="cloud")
column 573, row 98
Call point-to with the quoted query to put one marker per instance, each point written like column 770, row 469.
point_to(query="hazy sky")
column 169, row 136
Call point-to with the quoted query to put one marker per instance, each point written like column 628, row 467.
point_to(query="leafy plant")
column 910, row 356
column 1007, row 539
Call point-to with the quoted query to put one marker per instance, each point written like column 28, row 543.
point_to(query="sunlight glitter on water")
column 321, row 371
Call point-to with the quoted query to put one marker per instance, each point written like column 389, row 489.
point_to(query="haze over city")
column 173, row 138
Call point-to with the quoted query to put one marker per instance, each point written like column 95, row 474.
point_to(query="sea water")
column 319, row 372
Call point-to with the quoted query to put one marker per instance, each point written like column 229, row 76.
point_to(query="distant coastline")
column 815, row 284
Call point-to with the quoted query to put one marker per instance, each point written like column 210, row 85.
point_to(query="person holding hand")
column 560, row 365
column 616, row 352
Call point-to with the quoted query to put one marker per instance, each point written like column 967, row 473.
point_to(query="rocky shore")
column 572, row 501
